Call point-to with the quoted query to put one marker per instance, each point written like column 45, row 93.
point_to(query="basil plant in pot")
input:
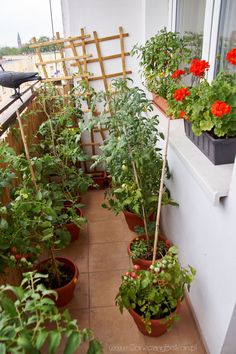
column 31, row 323
column 153, row 297
column 160, row 57
column 208, row 110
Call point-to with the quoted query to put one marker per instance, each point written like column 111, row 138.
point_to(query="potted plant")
column 208, row 110
column 31, row 323
column 33, row 221
column 153, row 297
column 135, row 169
column 160, row 58
column 141, row 252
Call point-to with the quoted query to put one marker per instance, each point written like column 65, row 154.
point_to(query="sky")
column 31, row 18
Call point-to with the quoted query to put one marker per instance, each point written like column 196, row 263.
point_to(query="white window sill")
column 214, row 180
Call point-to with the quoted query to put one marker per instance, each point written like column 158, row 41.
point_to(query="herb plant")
column 32, row 322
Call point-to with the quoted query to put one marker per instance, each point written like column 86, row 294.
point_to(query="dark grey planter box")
column 218, row 151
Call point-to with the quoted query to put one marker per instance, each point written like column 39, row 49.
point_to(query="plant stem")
column 26, row 150
column 55, row 268
column 160, row 195
column 139, row 187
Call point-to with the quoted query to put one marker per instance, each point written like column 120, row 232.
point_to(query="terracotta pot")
column 158, row 327
column 143, row 263
column 160, row 102
column 132, row 220
column 135, row 220
column 100, row 178
column 65, row 293
column 73, row 229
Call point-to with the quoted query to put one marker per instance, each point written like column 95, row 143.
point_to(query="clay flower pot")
column 143, row 263
column 100, row 179
column 73, row 229
column 160, row 102
column 66, row 292
column 132, row 220
column 158, row 327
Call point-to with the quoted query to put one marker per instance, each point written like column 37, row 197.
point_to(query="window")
column 190, row 16
column 226, row 36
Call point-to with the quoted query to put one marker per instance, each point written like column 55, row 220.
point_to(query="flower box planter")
column 158, row 327
column 160, row 102
column 219, row 151
column 66, row 292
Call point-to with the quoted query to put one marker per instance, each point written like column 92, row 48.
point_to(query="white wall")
column 140, row 18
column 205, row 235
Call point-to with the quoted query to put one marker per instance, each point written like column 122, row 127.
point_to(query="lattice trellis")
column 82, row 53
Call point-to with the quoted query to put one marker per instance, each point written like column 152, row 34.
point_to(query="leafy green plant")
column 140, row 249
column 155, row 294
column 32, row 321
column 135, row 168
column 159, row 57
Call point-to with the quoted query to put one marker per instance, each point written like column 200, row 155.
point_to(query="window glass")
column 190, row 23
column 226, row 36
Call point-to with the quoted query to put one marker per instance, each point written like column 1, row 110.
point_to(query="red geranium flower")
column 231, row 56
column 181, row 114
column 177, row 73
column 219, row 108
column 198, row 67
column 181, row 93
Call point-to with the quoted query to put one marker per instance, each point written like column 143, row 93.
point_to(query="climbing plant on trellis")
column 76, row 57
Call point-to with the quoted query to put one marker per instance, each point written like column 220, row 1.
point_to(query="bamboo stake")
column 100, row 60
column 139, row 187
column 56, row 41
column 26, row 150
column 102, row 39
column 160, row 195
column 122, row 47
column 96, row 60
column 62, row 56
column 41, row 59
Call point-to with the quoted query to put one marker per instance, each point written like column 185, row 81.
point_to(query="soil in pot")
column 142, row 255
column 158, row 326
column 68, row 278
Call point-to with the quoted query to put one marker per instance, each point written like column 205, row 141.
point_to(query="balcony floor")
column 101, row 256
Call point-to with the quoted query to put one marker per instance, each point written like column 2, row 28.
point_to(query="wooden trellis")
column 75, row 52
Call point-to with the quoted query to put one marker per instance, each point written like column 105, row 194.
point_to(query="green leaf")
column 9, row 306
column 42, row 336
column 94, row 347
column 73, row 343
column 2, row 348
column 54, row 340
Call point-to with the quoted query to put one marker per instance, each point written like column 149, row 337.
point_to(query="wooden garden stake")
column 26, row 150
column 160, row 195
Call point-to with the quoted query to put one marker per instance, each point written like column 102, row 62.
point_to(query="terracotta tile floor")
column 101, row 256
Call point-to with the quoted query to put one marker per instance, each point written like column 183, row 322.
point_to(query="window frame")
column 210, row 30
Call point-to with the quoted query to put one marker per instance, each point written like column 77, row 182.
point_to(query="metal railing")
column 10, row 112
